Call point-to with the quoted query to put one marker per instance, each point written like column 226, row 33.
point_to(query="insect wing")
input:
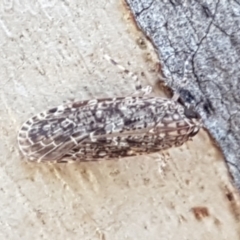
column 49, row 135
column 106, row 128
column 136, row 126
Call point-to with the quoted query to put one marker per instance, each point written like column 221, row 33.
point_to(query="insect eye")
column 186, row 96
column 190, row 113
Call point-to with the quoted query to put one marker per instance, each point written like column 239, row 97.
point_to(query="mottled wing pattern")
column 49, row 134
column 106, row 128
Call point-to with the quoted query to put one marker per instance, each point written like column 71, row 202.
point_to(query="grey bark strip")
column 205, row 33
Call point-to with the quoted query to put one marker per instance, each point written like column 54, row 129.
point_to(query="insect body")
column 107, row 128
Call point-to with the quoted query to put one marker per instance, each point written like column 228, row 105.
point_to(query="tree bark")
column 201, row 39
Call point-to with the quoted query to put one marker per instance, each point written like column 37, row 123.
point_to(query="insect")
column 108, row 128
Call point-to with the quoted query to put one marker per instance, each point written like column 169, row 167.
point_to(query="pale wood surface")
column 53, row 51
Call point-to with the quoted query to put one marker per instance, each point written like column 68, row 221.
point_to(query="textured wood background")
column 52, row 51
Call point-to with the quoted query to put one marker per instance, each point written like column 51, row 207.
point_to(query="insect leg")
column 175, row 97
column 140, row 90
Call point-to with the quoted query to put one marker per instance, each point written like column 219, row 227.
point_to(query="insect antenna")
column 140, row 90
